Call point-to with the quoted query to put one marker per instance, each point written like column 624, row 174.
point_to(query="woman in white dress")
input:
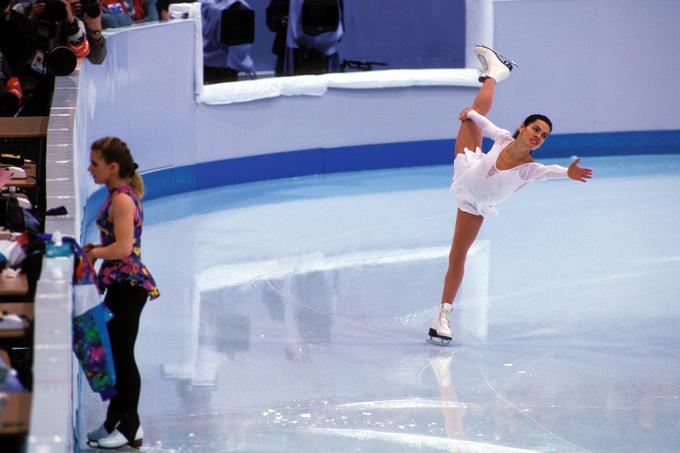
column 483, row 180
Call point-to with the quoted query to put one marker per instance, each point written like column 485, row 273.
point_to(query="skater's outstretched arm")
column 540, row 172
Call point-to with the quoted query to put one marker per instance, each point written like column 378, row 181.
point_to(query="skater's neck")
column 517, row 152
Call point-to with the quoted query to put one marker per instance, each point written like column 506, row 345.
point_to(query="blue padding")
column 388, row 155
column 170, row 181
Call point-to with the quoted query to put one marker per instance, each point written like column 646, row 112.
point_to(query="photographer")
column 53, row 19
column 315, row 27
column 11, row 92
column 53, row 39
column 277, row 21
column 90, row 13
column 223, row 61
column 17, row 47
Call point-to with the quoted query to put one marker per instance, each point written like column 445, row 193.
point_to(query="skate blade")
column 500, row 56
column 437, row 340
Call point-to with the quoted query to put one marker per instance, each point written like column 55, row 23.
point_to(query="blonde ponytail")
column 137, row 184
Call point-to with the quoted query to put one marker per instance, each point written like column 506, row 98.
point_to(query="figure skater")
column 480, row 180
column 127, row 282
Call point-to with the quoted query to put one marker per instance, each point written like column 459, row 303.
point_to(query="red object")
column 82, row 49
column 138, row 6
column 14, row 86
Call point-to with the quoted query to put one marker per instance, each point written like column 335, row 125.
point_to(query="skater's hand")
column 463, row 116
column 88, row 251
column 579, row 173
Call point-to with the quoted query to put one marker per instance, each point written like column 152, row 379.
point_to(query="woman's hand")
column 579, row 173
column 70, row 18
column 76, row 7
column 463, row 116
column 88, row 249
column 36, row 10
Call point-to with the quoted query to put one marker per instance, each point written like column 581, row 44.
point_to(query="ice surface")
column 294, row 315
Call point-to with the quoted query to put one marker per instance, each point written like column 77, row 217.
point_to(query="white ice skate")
column 494, row 65
column 440, row 329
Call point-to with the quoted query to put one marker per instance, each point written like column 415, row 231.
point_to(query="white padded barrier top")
column 317, row 85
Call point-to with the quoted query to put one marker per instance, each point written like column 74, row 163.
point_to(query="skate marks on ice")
column 408, row 403
column 419, row 441
column 525, row 414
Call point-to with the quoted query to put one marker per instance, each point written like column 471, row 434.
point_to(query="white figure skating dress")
column 479, row 185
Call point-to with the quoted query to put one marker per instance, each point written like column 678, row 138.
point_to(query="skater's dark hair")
column 532, row 118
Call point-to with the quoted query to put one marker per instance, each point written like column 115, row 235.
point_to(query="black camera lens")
column 55, row 11
column 61, row 61
column 91, row 8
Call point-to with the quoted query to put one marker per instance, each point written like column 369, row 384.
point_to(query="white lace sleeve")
column 540, row 172
column 487, row 127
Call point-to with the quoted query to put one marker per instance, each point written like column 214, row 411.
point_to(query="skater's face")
column 101, row 171
column 534, row 134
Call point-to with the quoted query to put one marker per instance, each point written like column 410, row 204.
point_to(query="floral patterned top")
column 130, row 269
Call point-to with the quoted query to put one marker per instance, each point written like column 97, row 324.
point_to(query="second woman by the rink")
column 126, row 281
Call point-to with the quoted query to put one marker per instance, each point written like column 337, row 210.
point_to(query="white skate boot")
column 440, row 329
column 494, row 65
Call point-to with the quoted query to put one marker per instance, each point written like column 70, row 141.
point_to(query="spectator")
column 315, row 28
column 121, row 13
column 127, row 282
column 93, row 27
column 37, row 52
column 277, row 21
column 17, row 47
column 222, row 63
column 11, row 93
column 163, row 8
column 17, row 40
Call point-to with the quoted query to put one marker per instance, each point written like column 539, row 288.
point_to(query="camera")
column 320, row 16
column 55, row 10
column 50, row 32
column 91, row 8
column 237, row 25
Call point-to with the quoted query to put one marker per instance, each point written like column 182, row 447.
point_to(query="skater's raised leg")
column 469, row 136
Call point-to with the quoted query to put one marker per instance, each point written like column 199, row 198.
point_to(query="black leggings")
column 126, row 303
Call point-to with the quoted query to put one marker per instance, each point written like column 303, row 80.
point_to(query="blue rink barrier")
column 206, row 175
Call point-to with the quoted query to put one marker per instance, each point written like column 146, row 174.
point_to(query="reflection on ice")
column 313, row 300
